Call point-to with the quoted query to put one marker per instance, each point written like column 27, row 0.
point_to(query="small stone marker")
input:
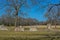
column 49, row 26
column 2, row 27
column 17, row 29
column 33, row 28
column 20, row 28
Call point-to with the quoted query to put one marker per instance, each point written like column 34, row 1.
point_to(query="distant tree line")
column 9, row 20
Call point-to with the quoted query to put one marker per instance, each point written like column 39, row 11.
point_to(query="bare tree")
column 52, row 13
column 17, row 4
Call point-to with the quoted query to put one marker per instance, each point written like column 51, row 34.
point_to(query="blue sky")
column 35, row 11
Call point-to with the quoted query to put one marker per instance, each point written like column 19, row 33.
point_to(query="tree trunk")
column 55, row 25
column 16, row 18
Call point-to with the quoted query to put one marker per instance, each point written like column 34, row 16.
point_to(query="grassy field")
column 39, row 35
column 5, row 35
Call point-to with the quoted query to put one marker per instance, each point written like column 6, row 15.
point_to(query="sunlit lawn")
column 28, row 35
column 12, row 33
